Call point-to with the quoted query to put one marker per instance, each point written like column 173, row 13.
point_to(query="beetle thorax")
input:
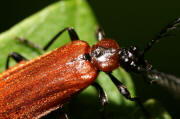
column 104, row 55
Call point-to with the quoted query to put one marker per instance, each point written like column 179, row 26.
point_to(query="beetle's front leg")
column 124, row 91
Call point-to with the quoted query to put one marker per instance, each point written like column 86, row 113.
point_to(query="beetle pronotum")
column 32, row 89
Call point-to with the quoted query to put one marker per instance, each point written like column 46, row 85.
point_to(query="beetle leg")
column 102, row 94
column 17, row 57
column 99, row 33
column 62, row 114
column 124, row 91
column 72, row 33
column 29, row 43
column 102, row 97
column 59, row 114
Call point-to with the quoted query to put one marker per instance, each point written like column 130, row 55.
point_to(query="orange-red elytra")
column 32, row 89
column 36, row 87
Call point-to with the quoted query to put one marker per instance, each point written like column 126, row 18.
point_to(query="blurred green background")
column 130, row 22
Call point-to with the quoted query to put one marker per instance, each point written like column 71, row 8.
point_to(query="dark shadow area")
column 88, row 107
column 13, row 12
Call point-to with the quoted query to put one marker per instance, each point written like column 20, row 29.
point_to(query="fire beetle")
column 32, row 89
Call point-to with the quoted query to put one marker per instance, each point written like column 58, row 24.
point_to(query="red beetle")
column 32, row 89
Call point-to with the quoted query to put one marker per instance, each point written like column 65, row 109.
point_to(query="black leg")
column 17, row 57
column 124, row 91
column 100, row 33
column 73, row 35
column 62, row 114
column 57, row 114
column 102, row 97
column 102, row 94
column 167, row 31
column 29, row 43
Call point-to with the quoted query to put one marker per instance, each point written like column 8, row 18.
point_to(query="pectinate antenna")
column 166, row 80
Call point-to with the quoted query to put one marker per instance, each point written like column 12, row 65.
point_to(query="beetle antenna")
column 165, row 80
column 167, row 31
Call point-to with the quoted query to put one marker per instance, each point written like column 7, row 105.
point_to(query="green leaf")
column 41, row 27
column 156, row 109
